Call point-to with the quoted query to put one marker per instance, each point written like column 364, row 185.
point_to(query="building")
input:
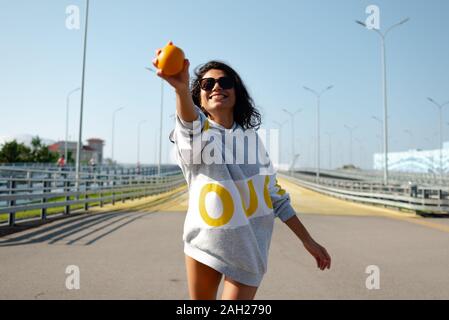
column 97, row 149
column 93, row 150
column 421, row 161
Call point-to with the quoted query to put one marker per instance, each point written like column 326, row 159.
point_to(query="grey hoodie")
column 232, row 203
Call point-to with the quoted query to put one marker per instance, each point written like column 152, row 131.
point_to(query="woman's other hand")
column 320, row 254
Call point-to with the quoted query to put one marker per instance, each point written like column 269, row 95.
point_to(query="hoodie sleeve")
column 280, row 199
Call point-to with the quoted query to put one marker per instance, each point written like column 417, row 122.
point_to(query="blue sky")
column 276, row 46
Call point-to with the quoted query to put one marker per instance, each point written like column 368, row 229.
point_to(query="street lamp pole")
column 330, row 149
column 381, row 133
column 78, row 148
column 318, row 96
column 160, row 123
column 440, row 108
column 113, row 133
column 67, row 122
column 292, row 117
column 384, row 89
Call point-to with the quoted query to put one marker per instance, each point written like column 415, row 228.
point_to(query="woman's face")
column 217, row 99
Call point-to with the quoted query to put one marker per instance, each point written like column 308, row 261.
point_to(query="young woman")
column 228, row 227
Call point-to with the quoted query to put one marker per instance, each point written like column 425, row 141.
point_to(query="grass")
column 57, row 210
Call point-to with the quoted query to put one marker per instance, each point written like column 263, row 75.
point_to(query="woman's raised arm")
column 180, row 82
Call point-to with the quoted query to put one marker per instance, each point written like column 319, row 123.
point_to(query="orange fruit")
column 170, row 59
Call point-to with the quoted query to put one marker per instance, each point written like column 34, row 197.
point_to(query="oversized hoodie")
column 232, row 202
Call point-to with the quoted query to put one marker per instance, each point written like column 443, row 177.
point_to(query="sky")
column 277, row 47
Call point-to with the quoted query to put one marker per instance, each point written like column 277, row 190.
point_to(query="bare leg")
column 234, row 290
column 203, row 280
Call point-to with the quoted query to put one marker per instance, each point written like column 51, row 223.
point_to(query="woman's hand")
column 178, row 81
column 320, row 254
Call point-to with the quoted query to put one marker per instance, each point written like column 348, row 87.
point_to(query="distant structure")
column 420, row 161
column 93, row 150
column 97, row 149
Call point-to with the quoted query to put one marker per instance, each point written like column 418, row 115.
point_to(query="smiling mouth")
column 219, row 96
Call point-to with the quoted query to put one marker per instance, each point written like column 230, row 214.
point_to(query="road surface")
column 135, row 252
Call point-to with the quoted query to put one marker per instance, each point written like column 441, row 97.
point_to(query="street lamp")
column 67, row 122
column 160, row 123
column 351, row 129
column 318, row 96
column 113, row 134
column 381, row 132
column 384, row 87
column 292, row 117
column 329, row 134
column 138, row 143
column 78, row 147
column 440, row 108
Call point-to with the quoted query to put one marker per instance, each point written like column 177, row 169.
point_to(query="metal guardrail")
column 428, row 179
column 420, row 199
column 105, row 169
column 23, row 190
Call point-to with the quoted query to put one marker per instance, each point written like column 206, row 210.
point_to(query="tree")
column 15, row 152
column 40, row 152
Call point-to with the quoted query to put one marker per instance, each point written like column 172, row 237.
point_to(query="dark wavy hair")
column 245, row 112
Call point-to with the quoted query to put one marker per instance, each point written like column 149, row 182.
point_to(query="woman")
column 228, row 227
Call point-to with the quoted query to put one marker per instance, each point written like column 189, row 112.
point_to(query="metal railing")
column 420, row 199
column 428, row 179
column 25, row 191
column 102, row 168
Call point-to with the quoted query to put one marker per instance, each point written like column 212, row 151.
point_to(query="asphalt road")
column 136, row 253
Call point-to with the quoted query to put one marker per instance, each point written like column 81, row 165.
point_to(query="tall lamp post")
column 67, row 122
column 292, row 117
column 329, row 134
column 318, row 98
column 440, row 108
column 78, row 147
column 384, row 88
column 113, row 133
column 160, row 123
column 379, row 136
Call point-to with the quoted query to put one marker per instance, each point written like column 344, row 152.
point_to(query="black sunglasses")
column 208, row 84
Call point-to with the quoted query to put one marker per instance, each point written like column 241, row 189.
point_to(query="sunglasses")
column 208, row 84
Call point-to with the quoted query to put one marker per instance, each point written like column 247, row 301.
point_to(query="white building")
column 423, row 161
